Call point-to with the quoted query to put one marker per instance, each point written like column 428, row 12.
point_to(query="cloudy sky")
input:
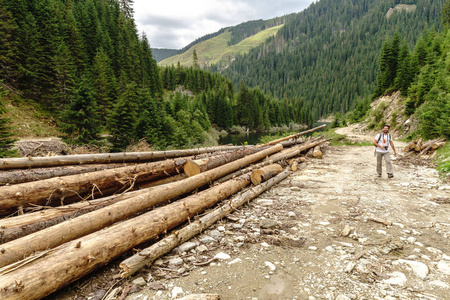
column 176, row 23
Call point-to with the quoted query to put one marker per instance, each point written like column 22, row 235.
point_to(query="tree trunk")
column 102, row 158
column 294, row 135
column 45, row 192
column 77, row 258
column 265, row 173
column 95, row 220
column 194, row 167
column 150, row 254
column 19, row 226
column 20, row 176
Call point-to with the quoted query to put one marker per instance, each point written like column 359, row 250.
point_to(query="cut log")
column 19, row 226
column 53, row 190
column 77, row 258
column 195, row 167
column 317, row 153
column 294, row 135
column 265, row 173
column 95, row 220
column 28, row 175
column 411, row 145
column 418, row 146
column 150, row 254
column 296, row 162
column 101, row 158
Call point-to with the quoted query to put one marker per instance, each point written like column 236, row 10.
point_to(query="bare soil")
column 332, row 230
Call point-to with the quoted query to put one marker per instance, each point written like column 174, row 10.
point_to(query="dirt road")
column 332, row 230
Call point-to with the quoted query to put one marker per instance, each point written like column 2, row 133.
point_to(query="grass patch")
column 443, row 159
column 28, row 119
column 271, row 137
column 339, row 139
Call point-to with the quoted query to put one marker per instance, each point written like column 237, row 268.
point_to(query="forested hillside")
column 328, row 54
column 83, row 62
column 422, row 76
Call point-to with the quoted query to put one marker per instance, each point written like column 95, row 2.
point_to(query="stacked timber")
column 422, row 148
column 69, row 225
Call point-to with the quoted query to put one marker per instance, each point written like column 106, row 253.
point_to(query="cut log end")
column 191, row 168
column 256, row 176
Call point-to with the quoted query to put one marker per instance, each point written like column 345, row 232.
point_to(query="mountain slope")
column 216, row 50
column 328, row 54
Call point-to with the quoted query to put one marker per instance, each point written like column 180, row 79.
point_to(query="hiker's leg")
column 387, row 158
column 379, row 161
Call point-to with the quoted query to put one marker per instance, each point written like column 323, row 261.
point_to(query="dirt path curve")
column 332, row 230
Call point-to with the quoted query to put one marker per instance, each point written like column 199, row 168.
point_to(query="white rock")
column 434, row 250
column 221, row 228
column 445, row 257
column 222, row 256
column 139, row 281
column 176, row 261
column 176, row 291
column 396, row 278
column 313, row 248
column 265, row 202
column 215, row 234
column 201, row 249
column 444, row 266
column 382, row 232
column 185, row 247
column 330, row 249
column 270, row 265
column 342, row 297
column 235, row 261
column 411, row 240
column 265, row 245
column 291, row 214
column 420, row 269
column 439, row 283
column 206, row 239
column 325, row 223
column 350, row 266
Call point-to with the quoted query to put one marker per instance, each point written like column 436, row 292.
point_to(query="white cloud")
column 176, row 23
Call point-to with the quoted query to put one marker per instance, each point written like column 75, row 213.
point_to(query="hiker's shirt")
column 383, row 141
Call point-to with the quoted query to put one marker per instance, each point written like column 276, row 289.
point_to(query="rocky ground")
column 332, row 230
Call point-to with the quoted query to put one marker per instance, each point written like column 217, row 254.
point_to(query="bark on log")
column 9, row 177
column 45, row 192
column 265, row 173
column 194, row 167
column 19, row 226
column 93, row 221
column 77, row 258
column 101, row 158
column 411, row 145
column 294, row 135
column 150, row 254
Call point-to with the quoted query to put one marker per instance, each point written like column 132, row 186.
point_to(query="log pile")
column 63, row 227
column 423, row 148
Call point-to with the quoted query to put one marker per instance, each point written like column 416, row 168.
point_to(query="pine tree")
column 80, row 119
column 8, row 46
column 194, row 59
column 122, row 120
column 6, row 142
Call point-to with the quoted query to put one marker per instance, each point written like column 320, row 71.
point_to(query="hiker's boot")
column 390, row 175
column 379, row 175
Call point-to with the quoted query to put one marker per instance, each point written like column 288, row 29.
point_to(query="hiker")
column 382, row 142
